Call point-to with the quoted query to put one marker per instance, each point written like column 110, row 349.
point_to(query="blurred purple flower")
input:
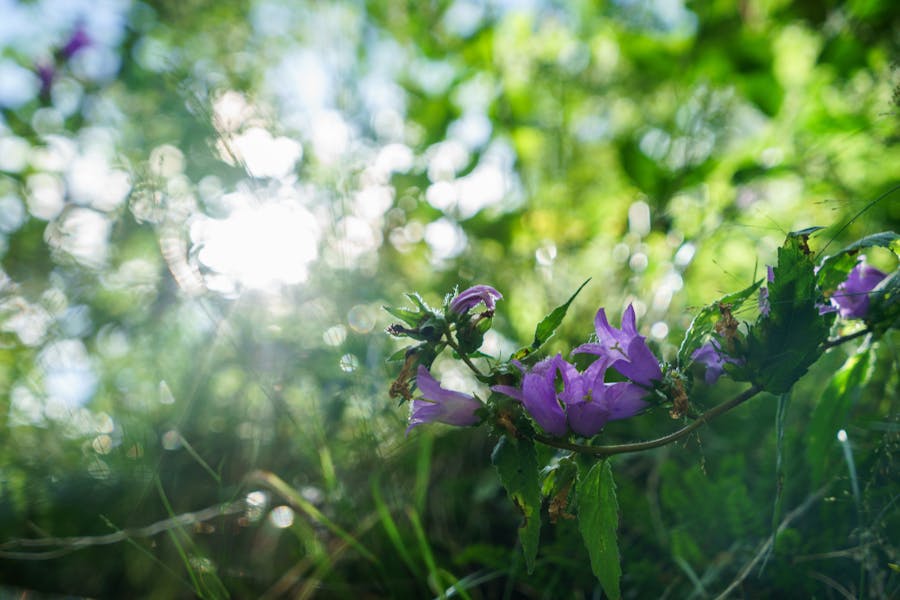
column 472, row 297
column 439, row 404
column 713, row 358
column 582, row 402
column 852, row 296
column 46, row 73
column 77, row 41
column 626, row 351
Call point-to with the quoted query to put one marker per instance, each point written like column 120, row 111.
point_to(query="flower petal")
column 473, row 296
column 642, row 366
column 625, row 400
column 852, row 296
column 587, row 418
column 439, row 404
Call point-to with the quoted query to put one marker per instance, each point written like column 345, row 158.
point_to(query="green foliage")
column 831, row 413
column 704, row 323
column 598, row 520
column 782, row 345
column 548, row 326
column 834, row 268
column 659, row 152
column 884, row 304
column 516, row 464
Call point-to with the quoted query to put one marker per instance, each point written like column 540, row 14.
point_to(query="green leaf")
column 410, row 317
column 598, row 519
column 834, row 269
column 418, row 301
column 706, row 320
column 471, row 335
column 806, row 232
column 516, row 464
column 782, row 346
column 784, row 401
column 830, row 414
column 399, row 354
column 548, row 325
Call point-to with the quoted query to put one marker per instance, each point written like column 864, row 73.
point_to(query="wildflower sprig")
column 547, row 400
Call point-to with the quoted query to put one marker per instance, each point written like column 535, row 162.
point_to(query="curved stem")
column 838, row 341
column 452, row 343
column 702, row 419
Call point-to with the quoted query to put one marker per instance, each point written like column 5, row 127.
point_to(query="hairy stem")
column 452, row 343
column 648, row 445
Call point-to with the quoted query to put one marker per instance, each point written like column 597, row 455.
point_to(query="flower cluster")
column 582, row 402
column 558, row 396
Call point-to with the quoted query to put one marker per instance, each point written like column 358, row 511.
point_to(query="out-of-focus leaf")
column 516, row 464
column 830, row 414
column 598, row 520
column 884, row 304
column 784, row 401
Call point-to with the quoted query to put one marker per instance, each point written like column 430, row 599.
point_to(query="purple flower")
column 79, row 40
column 582, row 402
column 626, row 351
column 46, row 73
column 852, row 296
column 438, row 404
column 713, row 358
column 591, row 402
column 472, row 297
column 539, row 395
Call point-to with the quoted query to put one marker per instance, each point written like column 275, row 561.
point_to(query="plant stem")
column 648, row 445
column 452, row 343
column 838, row 341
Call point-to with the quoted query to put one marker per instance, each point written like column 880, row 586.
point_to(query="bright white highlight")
column 264, row 155
column 281, row 517
column 842, row 436
column 259, row 247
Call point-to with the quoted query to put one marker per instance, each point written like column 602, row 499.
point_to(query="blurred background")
column 204, row 205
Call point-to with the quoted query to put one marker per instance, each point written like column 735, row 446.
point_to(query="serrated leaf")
column 410, row 317
column 598, row 520
column 418, row 301
column 830, row 414
column 803, row 233
column 549, row 324
column 834, row 269
column 516, row 464
column 706, row 319
column 782, row 346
